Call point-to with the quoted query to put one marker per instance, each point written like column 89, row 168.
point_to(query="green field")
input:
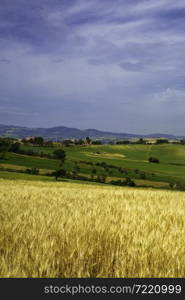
column 132, row 158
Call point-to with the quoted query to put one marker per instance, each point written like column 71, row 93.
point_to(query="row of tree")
column 141, row 141
column 7, row 144
column 39, row 141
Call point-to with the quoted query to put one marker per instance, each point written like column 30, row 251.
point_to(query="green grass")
column 130, row 157
column 136, row 157
column 30, row 161
column 37, row 178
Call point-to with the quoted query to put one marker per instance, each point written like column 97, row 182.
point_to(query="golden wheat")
column 76, row 230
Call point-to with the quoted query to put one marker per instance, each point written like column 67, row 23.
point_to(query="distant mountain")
column 62, row 132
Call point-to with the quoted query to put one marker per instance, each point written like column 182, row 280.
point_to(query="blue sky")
column 111, row 65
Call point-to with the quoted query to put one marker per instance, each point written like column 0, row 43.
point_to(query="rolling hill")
column 62, row 132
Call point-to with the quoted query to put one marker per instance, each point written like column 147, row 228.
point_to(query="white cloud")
column 142, row 6
column 95, row 66
column 170, row 95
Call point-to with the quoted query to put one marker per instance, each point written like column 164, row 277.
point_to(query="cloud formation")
column 111, row 65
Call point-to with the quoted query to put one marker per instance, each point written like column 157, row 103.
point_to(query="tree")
column 59, row 154
column 93, row 172
column 140, row 141
column 79, row 142
column 124, row 142
column 143, row 175
column 96, row 142
column 4, row 147
column 38, row 140
column 171, row 185
column 102, row 178
column 182, row 142
column 129, row 182
column 33, row 171
column 15, row 147
column 67, row 143
column 88, row 140
column 49, row 144
column 24, row 141
column 153, row 159
column 162, row 141
column 59, row 173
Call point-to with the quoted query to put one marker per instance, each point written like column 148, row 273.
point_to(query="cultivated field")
column 75, row 230
column 133, row 159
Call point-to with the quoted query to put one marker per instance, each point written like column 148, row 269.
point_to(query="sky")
column 110, row 65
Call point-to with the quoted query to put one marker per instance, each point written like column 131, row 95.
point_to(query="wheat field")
column 77, row 230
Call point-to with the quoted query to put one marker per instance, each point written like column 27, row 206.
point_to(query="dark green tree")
column 153, row 160
column 182, row 142
column 48, row 144
column 93, row 172
column 60, row 154
column 38, row 140
column 162, row 141
column 4, row 147
column 88, row 140
column 59, row 173
column 15, row 147
column 140, row 141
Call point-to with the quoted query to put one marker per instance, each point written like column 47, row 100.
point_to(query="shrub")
column 142, row 175
column 178, row 185
column 129, row 182
column 101, row 179
column 33, row 171
column 126, row 182
column 153, row 159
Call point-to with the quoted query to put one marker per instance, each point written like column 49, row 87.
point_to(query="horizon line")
column 101, row 130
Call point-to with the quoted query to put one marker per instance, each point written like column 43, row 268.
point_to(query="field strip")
column 23, row 168
column 105, row 155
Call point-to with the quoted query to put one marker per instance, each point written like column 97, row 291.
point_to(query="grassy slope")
column 30, row 161
column 69, row 230
column 5, row 175
column 134, row 157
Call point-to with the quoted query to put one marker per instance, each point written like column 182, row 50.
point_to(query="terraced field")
column 132, row 158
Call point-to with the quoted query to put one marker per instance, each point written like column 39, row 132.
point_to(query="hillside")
column 114, row 162
column 62, row 132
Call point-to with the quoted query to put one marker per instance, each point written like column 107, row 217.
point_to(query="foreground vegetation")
column 71, row 230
